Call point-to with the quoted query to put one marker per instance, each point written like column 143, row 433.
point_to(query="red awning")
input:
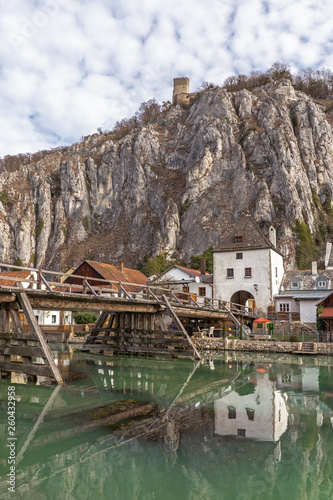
column 327, row 313
column 261, row 320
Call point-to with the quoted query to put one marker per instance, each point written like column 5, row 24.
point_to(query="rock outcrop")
column 175, row 185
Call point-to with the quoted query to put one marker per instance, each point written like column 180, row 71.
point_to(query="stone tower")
column 180, row 86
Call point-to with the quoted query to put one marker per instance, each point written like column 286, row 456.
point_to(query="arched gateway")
column 243, row 298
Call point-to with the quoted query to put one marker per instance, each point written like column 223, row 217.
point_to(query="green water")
column 239, row 427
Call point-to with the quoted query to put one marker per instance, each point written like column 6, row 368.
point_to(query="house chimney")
column 121, row 267
column 272, row 235
column 314, row 268
column 203, row 267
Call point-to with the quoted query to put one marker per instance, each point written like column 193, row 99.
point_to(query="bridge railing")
column 99, row 287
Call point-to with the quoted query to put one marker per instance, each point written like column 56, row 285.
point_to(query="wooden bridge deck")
column 132, row 319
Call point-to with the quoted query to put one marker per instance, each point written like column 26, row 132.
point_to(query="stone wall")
column 258, row 346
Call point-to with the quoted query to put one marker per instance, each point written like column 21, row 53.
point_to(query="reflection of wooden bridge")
column 133, row 319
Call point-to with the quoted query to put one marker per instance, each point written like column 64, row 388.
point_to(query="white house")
column 198, row 284
column 301, row 290
column 248, row 268
column 53, row 318
column 28, row 279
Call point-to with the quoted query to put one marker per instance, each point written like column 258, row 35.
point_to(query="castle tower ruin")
column 180, row 86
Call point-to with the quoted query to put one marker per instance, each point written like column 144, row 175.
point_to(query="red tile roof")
column 21, row 275
column 327, row 313
column 193, row 272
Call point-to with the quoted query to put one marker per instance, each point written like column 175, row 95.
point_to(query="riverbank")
column 217, row 344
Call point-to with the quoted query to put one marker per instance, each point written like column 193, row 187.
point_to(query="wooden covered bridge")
column 132, row 318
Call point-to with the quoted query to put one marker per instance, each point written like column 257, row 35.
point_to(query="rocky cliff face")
column 175, row 185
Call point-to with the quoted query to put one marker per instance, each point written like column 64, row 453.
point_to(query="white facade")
column 258, row 272
column 53, row 318
column 306, row 308
column 196, row 287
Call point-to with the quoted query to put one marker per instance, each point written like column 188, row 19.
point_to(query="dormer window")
column 238, row 239
column 322, row 282
column 295, row 283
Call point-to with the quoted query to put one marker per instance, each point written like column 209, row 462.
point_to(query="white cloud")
column 71, row 66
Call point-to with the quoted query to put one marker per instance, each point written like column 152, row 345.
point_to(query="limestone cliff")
column 174, row 185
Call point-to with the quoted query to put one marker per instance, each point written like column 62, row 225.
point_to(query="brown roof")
column 113, row 273
column 251, row 235
column 21, row 275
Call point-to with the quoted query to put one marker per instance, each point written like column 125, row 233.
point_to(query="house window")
column 276, row 272
column 54, row 318
column 259, row 325
column 294, row 284
column 322, row 282
column 248, row 272
column 230, row 273
column 202, row 291
column 186, row 289
column 239, row 255
column 284, row 307
column 238, row 239
column 37, row 318
column 231, row 412
column 241, row 432
column 250, row 413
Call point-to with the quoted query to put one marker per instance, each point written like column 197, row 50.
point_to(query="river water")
column 236, row 427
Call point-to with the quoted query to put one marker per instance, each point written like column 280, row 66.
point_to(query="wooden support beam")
column 4, row 318
column 32, row 369
column 44, row 281
column 29, row 314
column 180, row 326
column 7, row 297
column 89, row 303
column 86, row 284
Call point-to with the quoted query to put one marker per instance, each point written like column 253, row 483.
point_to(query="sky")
column 69, row 67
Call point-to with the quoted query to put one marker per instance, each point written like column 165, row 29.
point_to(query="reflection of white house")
column 248, row 268
column 260, row 415
column 306, row 379
column 198, row 284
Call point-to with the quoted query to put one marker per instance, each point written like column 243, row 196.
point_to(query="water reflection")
column 128, row 428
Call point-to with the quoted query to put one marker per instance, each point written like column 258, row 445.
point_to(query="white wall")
column 262, row 263
column 294, row 306
column 176, row 274
column 49, row 318
column 308, row 311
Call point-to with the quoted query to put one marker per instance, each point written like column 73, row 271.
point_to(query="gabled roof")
column 191, row 272
column 21, row 275
column 307, row 279
column 113, row 273
column 251, row 234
